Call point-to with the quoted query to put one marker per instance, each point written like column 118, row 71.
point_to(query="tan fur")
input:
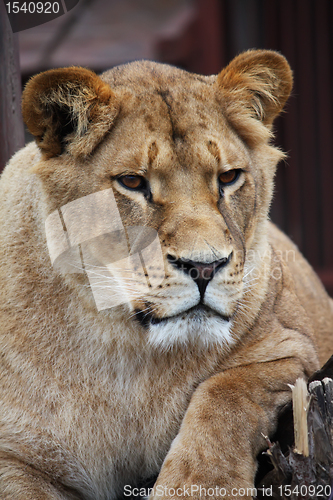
column 92, row 401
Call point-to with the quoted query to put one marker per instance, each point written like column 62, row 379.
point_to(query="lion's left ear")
column 68, row 109
column 257, row 83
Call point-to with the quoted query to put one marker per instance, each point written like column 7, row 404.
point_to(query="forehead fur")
column 150, row 76
column 249, row 93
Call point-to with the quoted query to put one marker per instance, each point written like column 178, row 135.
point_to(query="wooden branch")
column 300, row 397
column 306, row 470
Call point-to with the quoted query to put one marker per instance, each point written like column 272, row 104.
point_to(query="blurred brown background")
column 202, row 36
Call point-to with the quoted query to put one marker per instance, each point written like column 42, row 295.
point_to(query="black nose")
column 202, row 273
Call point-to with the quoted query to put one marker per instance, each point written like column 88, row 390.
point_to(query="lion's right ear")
column 68, row 109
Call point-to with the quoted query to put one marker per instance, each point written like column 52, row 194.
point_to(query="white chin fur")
column 201, row 329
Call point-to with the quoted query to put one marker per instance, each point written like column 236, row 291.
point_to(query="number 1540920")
column 305, row 491
column 33, row 7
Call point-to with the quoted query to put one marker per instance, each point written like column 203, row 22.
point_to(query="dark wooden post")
column 11, row 124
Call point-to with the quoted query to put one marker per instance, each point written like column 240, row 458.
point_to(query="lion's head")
column 186, row 157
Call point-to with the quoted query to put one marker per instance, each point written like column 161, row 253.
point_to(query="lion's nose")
column 201, row 272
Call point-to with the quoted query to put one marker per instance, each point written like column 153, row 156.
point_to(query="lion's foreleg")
column 223, row 431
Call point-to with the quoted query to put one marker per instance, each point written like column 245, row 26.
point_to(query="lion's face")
column 181, row 160
column 193, row 182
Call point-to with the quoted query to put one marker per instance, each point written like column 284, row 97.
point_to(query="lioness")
column 181, row 362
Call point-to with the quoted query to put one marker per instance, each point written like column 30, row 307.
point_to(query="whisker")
column 249, row 272
column 149, row 309
column 250, row 284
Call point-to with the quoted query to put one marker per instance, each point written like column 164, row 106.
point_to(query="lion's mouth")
column 197, row 312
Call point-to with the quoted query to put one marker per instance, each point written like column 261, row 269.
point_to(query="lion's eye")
column 132, row 181
column 229, row 177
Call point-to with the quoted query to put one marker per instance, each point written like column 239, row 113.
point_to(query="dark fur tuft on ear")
column 255, row 86
column 68, row 109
